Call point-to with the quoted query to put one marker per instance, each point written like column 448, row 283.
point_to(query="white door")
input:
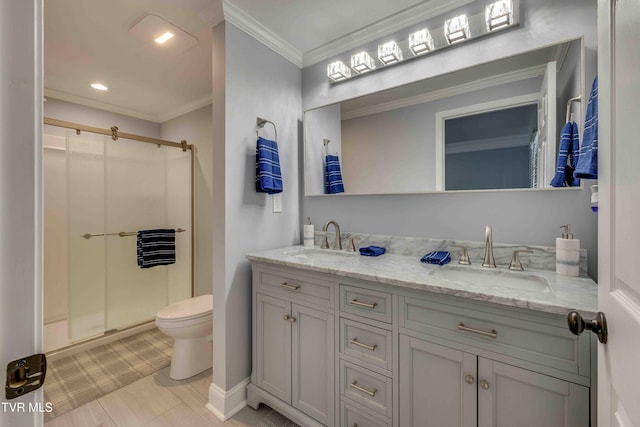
column 20, row 199
column 618, row 225
column 547, row 126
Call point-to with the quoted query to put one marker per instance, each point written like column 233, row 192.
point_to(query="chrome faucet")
column 489, row 261
column 337, row 244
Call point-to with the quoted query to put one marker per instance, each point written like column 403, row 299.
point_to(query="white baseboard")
column 225, row 404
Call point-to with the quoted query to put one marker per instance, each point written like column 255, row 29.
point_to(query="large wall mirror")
column 494, row 126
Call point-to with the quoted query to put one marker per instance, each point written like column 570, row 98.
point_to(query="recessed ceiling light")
column 99, row 86
column 163, row 38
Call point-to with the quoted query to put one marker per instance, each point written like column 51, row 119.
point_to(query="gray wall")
column 526, row 216
column 257, row 82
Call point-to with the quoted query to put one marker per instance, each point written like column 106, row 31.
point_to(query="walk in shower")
column 100, row 189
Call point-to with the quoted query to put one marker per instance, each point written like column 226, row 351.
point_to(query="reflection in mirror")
column 491, row 150
column 393, row 141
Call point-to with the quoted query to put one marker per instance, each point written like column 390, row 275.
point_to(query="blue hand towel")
column 332, row 175
column 567, row 157
column 436, row 257
column 268, row 174
column 156, row 247
column 588, row 161
column 372, row 251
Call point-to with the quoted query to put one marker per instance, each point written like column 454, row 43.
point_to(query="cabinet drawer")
column 366, row 387
column 366, row 303
column 352, row 417
column 543, row 344
column 299, row 287
column 366, row 343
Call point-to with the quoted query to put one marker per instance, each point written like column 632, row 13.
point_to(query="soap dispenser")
column 567, row 253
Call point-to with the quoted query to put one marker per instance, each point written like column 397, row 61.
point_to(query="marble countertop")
column 566, row 293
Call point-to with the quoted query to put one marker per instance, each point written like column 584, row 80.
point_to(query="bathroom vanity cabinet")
column 339, row 351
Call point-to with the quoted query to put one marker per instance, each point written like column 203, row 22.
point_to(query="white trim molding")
column 397, row 22
column 225, row 404
column 255, row 29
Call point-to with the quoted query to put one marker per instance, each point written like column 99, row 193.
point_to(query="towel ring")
column 260, row 122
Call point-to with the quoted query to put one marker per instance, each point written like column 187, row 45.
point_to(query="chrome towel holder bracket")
column 260, row 122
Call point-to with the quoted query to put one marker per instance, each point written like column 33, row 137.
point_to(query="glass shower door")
column 136, row 199
column 85, row 216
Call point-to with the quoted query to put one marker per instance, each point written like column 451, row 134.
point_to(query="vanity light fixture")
column 362, row 62
column 99, row 86
column 421, row 42
column 456, row 29
column 389, row 53
column 499, row 14
column 164, row 38
column 338, row 71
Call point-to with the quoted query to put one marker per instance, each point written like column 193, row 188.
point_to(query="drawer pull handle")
column 363, row 304
column 359, row 344
column 362, row 389
column 355, row 425
column 492, row 334
column 285, row 285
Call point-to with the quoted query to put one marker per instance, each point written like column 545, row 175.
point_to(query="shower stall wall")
column 114, row 189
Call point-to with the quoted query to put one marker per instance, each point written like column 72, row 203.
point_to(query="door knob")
column 598, row 325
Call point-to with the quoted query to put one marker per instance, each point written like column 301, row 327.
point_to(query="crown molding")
column 185, row 109
column 255, row 29
column 499, row 79
column 64, row 96
column 156, row 118
column 397, row 22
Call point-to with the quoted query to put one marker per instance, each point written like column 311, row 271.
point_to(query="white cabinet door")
column 618, row 225
column 437, row 385
column 273, row 341
column 313, row 363
column 510, row 396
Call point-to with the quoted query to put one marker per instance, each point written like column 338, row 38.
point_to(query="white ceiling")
column 89, row 40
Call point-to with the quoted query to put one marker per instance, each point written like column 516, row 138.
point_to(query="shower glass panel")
column 123, row 186
column 85, row 214
column 136, row 196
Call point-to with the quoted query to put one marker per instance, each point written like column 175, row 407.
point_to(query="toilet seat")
column 191, row 308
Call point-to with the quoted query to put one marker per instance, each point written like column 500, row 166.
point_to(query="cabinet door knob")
column 469, row 379
column 286, row 317
column 598, row 325
column 484, row 384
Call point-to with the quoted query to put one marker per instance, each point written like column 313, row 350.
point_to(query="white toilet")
column 190, row 324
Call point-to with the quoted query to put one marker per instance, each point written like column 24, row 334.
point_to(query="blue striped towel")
column 332, row 175
column 268, row 174
column 436, row 257
column 568, row 155
column 156, row 247
column 588, row 162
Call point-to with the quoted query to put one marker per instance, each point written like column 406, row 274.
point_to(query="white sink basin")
column 321, row 255
column 493, row 278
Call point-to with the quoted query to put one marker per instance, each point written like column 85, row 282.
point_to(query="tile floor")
column 159, row 401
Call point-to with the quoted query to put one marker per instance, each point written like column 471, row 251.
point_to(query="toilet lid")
column 188, row 309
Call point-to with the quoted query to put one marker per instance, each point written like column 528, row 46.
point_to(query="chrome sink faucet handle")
column 351, row 247
column 515, row 259
column 464, row 254
column 337, row 244
column 488, row 261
